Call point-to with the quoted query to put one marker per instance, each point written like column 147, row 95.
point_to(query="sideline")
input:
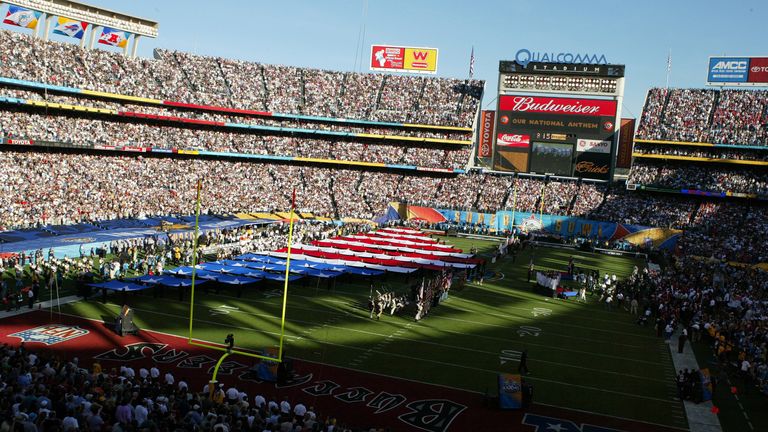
column 700, row 416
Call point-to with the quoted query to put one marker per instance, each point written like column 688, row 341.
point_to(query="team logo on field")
column 50, row 334
column 493, row 276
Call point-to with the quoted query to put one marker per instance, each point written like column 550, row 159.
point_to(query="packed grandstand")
column 76, row 126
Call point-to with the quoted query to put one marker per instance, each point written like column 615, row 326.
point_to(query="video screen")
column 551, row 158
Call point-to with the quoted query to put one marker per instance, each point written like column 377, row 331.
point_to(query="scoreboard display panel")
column 558, row 118
column 564, row 131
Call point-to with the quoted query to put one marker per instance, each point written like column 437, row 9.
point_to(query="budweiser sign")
column 550, row 105
column 586, row 167
column 513, row 140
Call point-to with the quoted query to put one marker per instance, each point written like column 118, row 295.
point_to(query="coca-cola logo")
column 590, row 167
column 514, row 140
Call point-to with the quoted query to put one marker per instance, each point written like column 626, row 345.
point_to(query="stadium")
column 207, row 243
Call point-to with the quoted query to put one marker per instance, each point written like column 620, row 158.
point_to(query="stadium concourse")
column 92, row 139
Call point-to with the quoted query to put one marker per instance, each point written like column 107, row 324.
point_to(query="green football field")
column 581, row 356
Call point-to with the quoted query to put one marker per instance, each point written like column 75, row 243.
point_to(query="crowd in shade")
column 729, row 231
column 650, row 210
column 681, row 175
column 189, row 78
column 42, row 391
column 724, row 306
column 703, row 115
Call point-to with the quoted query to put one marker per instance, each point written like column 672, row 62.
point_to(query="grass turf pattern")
column 581, row 356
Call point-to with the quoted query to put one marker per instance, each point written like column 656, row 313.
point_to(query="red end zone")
column 356, row 398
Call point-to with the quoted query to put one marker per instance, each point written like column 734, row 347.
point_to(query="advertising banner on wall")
column 487, row 128
column 593, row 146
column 737, row 71
column 403, row 59
column 626, row 141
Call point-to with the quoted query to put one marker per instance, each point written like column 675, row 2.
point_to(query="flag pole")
column 472, row 63
column 669, row 67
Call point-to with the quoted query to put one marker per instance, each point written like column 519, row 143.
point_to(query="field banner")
column 567, row 227
column 737, row 71
column 69, row 27
column 403, row 59
column 21, row 17
column 510, row 391
column 118, row 38
column 487, row 127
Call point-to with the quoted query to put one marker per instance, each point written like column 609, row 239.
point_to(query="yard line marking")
column 465, row 348
column 458, row 333
column 630, row 395
column 521, row 318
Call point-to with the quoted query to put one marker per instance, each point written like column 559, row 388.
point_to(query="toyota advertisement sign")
column 555, row 135
column 737, row 71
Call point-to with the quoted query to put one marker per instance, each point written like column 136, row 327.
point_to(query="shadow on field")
column 580, row 355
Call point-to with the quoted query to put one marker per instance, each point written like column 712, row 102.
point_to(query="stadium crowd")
column 173, row 114
column 54, row 188
column 698, row 115
column 41, row 391
column 681, row 175
column 188, row 78
column 725, row 306
column 83, row 131
column 702, row 152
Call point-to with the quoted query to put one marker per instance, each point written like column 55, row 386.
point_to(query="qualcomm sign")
column 524, row 56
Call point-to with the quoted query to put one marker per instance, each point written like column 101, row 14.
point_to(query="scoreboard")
column 558, row 118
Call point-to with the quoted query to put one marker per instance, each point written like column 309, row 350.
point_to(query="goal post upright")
column 213, row 345
column 287, row 271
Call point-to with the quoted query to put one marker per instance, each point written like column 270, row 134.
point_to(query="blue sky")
column 325, row 33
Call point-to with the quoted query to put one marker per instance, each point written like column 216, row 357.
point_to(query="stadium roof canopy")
column 92, row 14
